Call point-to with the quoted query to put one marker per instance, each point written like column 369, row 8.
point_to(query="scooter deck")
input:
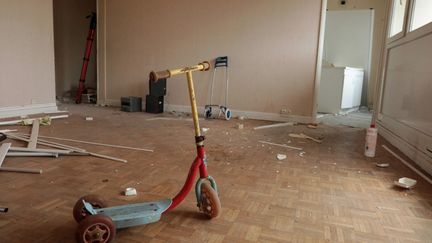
column 135, row 214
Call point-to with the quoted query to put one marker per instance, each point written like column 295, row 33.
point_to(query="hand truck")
column 209, row 110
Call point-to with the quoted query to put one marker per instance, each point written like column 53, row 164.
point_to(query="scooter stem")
column 194, row 107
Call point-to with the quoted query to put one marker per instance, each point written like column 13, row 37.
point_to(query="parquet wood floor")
column 330, row 194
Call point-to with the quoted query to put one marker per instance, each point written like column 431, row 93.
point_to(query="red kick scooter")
column 98, row 223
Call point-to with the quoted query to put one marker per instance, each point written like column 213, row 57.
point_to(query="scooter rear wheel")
column 210, row 203
column 80, row 213
column 96, row 229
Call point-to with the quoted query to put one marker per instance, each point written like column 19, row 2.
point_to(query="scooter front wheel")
column 210, row 203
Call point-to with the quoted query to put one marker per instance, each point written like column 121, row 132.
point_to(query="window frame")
column 407, row 14
column 421, row 31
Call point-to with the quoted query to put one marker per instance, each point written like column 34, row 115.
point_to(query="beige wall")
column 272, row 46
column 380, row 7
column 70, row 33
column 26, row 53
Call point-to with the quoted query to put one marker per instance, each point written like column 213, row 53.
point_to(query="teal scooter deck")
column 134, row 214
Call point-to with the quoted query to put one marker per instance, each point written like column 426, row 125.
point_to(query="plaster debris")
column 302, row 154
column 405, row 182
column 130, row 191
column 205, row 129
column 275, row 125
column 281, row 156
column 312, row 126
column 280, row 145
column 382, row 165
column 240, row 126
column 304, row 136
column 408, row 164
column 89, row 118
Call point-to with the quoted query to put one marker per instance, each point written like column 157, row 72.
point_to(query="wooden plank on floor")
column 34, row 134
column 3, row 151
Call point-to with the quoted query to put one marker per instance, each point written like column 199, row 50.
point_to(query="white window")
column 398, row 16
column 422, row 13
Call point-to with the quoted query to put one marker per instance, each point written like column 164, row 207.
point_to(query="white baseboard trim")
column 248, row 114
column 13, row 111
column 112, row 102
column 419, row 157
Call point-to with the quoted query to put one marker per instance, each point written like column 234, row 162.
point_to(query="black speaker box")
column 154, row 104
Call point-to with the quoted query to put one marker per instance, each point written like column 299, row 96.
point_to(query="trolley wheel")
column 79, row 211
column 227, row 114
column 210, row 203
column 96, row 229
column 207, row 112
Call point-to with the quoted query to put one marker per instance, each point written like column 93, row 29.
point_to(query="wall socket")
column 285, row 111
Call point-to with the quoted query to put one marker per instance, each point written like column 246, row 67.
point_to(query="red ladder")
column 90, row 39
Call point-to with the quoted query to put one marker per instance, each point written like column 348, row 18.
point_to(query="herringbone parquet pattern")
column 330, row 194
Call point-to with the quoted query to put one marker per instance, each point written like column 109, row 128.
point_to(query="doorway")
column 71, row 27
column 346, row 66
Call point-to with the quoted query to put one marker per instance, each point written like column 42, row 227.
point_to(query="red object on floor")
column 90, row 39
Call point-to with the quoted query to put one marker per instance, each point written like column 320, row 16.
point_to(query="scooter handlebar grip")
column 206, row 65
column 155, row 76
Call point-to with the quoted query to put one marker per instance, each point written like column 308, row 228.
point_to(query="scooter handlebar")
column 154, row 76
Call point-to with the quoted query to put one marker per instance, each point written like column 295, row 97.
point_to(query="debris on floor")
column 88, row 142
column 8, row 130
column 35, row 139
column 89, row 118
column 407, row 164
column 178, row 118
column 240, row 126
column 275, row 125
column 405, row 182
column 281, row 145
column 130, row 191
column 382, row 165
column 312, row 126
column 304, row 136
column 44, row 120
column 281, row 156
column 3, row 210
column 302, row 154
column 68, row 150
column 4, row 149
